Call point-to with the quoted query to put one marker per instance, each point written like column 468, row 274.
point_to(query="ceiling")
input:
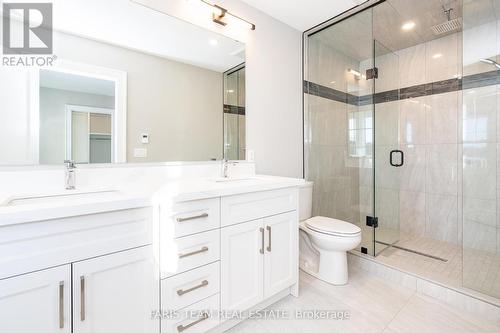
column 303, row 15
column 354, row 36
column 76, row 83
column 127, row 24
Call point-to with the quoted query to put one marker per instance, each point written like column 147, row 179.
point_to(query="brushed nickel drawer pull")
column 203, row 249
column 189, row 218
column 269, row 244
column 182, row 328
column 82, row 298
column 203, row 283
column 61, row 304
column 262, row 239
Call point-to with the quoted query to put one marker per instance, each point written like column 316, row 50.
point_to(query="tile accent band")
column 233, row 109
column 426, row 89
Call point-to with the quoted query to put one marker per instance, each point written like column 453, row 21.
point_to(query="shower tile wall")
column 425, row 195
column 422, row 197
column 335, row 174
column 481, row 152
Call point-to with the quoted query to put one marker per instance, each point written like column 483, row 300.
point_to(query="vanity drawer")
column 252, row 206
column 28, row 247
column 190, row 217
column 190, row 287
column 197, row 318
column 185, row 253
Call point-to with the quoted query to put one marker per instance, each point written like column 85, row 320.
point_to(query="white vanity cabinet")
column 242, row 272
column 230, row 253
column 37, row 302
column 281, row 252
column 114, row 291
column 258, row 260
column 259, row 247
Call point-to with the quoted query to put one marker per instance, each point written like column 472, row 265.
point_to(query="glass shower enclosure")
column 352, row 151
column 402, row 132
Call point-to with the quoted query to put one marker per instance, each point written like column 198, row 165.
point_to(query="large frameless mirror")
column 130, row 85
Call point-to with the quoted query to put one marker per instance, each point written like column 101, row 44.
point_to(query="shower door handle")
column 391, row 158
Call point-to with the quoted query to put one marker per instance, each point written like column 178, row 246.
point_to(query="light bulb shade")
column 354, row 72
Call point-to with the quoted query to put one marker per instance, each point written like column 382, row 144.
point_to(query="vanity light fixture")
column 222, row 16
column 407, row 26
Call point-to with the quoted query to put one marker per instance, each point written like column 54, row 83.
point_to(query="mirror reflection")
column 168, row 91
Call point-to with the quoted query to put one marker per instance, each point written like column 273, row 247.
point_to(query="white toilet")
column 324, row 242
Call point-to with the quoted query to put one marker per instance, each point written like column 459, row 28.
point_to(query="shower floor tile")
column 481, row 269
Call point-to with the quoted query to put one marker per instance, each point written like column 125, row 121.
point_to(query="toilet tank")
column 305, row 201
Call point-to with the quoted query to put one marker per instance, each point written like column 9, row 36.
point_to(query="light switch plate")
column 140, row 152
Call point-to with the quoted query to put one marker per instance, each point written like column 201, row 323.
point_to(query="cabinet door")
column 242, row 265
column 116, row 293
column 37, row 302
column 280, row 261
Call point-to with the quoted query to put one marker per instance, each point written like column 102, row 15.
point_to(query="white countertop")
column 128, row 198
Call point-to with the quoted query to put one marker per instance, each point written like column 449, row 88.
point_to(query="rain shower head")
column 450, row 25
column 491, row 62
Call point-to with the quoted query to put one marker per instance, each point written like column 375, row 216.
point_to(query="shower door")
column 351, row 127
column 388, row 154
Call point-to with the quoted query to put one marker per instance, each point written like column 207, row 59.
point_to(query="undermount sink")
column 234, row 179
column 61, row 197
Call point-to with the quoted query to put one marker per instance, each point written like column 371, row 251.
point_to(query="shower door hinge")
column 372, row 221
column 372, row 73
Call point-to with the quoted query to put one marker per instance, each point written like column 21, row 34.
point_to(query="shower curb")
column 459, row 299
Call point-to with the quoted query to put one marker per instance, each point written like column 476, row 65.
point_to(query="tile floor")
column 481, row 269
column 373, row 305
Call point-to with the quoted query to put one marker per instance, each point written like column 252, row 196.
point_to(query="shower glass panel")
column 481, row 147
column 234, row 113
column 338, row 122
column 389, row 157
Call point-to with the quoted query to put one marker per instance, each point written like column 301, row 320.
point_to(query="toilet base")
column 333, row 267
column 336, row 272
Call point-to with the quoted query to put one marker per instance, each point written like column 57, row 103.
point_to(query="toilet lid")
column 332, row 226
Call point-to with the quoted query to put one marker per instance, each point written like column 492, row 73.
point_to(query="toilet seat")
column 332, row 227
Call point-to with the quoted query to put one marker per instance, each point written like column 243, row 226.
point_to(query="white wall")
column 18, row 128
column 274, row 82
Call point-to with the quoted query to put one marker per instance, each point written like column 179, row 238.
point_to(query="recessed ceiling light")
column 437, row 55
column 213, row 42
column 408, row 25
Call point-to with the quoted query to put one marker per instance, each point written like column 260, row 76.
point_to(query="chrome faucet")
column 225, row 168
column 70, row 174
